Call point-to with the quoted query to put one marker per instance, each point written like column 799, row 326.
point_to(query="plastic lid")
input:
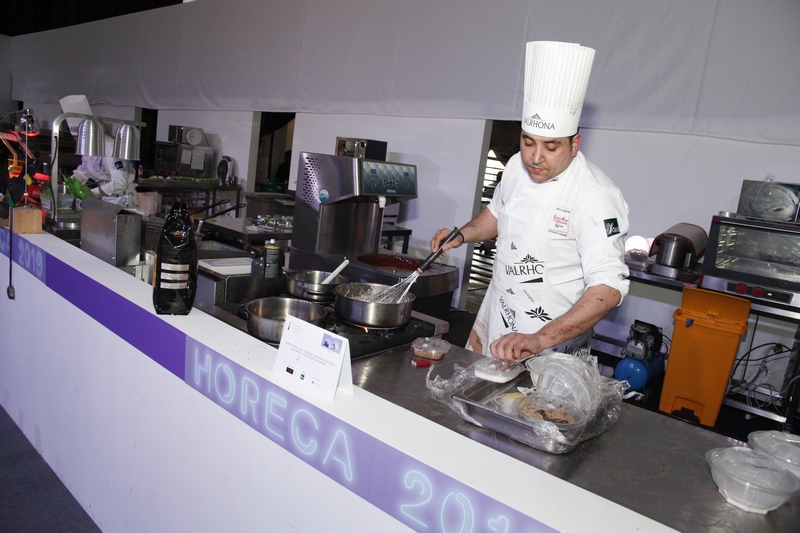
column 562, row 381
column 430, row 347
column 749, row 466
column 782, row 446
column 492, row 369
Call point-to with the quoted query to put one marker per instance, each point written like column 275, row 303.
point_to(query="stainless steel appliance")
column 338, row 214
column 760, row 260
column 754, row 258
column 111, row 233
column 770, row 200
column 678, row 249
column 361, row 148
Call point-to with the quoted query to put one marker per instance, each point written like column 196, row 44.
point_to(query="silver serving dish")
column 479, row 402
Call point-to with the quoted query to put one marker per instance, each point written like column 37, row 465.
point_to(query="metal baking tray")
column 477, row 401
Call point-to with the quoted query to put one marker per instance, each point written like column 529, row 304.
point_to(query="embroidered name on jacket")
column 559, row 224
column 529, row 266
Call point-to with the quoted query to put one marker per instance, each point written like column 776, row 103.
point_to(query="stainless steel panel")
column 349, row 228
column 109, row 233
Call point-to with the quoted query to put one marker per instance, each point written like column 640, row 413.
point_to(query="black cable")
column 773, row 354
column 10, row 290
column 746, row 355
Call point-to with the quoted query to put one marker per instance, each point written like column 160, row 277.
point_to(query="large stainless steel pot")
column 307, row 284
column 354, row 305
column 266, row 316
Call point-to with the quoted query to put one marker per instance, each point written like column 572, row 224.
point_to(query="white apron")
column 520, row 297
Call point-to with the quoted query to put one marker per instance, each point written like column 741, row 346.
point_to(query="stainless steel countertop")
column 649, row 463
column 236, row 228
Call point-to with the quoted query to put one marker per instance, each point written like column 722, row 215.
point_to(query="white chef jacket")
column 554, row 240
column 114, row 176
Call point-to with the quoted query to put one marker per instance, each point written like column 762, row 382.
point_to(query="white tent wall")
column 687, row 97
column 723, row 69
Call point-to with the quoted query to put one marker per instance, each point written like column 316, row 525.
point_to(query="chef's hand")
column 78, row 189
column 515, row 346
column 442, row 235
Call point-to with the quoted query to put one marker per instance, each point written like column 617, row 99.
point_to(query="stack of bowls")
column 750, row 480
column 783, row 447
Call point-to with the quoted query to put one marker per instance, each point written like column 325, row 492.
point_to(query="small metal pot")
column 307, row 284
column 673, row 251
column 266, row 316
column 354, row 305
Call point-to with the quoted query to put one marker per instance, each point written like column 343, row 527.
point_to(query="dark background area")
column 21, row 17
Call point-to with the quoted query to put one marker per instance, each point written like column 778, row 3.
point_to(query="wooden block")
column 26, row 220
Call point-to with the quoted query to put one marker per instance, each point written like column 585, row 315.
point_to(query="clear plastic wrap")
column 558, row 383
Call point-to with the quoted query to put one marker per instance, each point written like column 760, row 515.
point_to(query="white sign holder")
column 314, row 358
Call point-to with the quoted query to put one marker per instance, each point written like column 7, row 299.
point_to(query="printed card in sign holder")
column 314, row 358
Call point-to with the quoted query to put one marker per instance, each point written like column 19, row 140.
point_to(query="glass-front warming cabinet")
column 754, row 258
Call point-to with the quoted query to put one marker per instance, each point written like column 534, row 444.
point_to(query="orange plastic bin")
column 708, row 328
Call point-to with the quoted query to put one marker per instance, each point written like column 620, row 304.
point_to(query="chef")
column 110, row 177
column 560, row 223
column 113, row 177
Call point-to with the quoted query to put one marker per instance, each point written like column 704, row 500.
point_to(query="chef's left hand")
column 515, row 346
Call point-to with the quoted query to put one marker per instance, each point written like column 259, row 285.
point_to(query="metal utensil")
column 397, row 292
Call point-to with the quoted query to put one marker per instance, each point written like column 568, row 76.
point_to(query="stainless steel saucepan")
column 266, row 316
column 354, row 305
column 307, row 284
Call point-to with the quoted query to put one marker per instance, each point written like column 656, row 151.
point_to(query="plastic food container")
column 561, row 381
column 505, row 402
column 492, row 369
column 430, row 347
column 750, row 480
column 541, row 410
column 784, row 447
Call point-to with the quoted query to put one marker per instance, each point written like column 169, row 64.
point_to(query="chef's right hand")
column 442, row 235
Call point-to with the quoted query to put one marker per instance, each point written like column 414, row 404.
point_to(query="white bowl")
column 750, row 480
column 784, row 447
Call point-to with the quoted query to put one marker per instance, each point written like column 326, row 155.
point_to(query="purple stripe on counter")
column 402, row 486
column 145, row 331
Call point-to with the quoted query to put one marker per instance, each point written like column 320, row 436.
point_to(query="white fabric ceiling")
column 722, row 68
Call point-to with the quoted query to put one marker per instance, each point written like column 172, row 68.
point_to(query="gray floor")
column 32, row 497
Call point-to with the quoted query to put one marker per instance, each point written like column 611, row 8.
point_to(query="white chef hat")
column 556, row 77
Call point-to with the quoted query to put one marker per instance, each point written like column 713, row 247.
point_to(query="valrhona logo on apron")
column 528, row 266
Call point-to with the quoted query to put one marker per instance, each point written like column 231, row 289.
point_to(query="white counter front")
column 177, row 423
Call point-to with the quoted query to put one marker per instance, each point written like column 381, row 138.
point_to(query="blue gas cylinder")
column 639, row 372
